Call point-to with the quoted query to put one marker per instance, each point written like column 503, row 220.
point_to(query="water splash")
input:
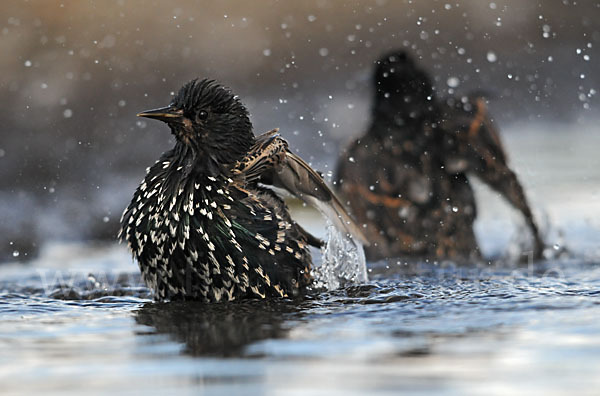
column 520, row 246
column 343, row 261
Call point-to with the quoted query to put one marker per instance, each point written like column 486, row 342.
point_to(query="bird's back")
column 395, row 182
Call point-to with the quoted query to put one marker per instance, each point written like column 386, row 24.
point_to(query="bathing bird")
column 407, row 179
column 205, row 224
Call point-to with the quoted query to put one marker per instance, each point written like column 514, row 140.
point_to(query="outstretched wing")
column 271, row 162
column 477, row 149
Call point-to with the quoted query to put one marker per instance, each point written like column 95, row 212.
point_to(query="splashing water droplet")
column 453, row 82
column 343, row 261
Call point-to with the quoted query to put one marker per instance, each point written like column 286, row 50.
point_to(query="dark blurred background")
column 75, row 73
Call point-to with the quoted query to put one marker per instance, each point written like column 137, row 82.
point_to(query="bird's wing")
column 479, row 146
column 271, row 162
column 267, row 153
column 483, row 135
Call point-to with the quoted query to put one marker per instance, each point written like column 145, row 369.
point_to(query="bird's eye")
column 203, row 115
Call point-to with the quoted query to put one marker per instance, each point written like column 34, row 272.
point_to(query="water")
column 342, row 261
column 422, row 328
column 419, row 328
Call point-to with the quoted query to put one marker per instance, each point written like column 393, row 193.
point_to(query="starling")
column 204, row 224
column 406, row 178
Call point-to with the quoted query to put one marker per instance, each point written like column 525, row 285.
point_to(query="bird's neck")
column 177, row 178
column 195, row 162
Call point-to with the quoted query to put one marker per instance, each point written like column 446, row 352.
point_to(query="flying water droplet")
column 453, row 82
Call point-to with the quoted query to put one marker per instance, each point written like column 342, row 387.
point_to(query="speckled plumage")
column 200, row 225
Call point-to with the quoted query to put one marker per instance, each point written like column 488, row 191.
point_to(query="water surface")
column 77, row 320
column 422, row 328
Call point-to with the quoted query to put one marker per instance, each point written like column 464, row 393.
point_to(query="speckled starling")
column 406, row 178
column 204, row 224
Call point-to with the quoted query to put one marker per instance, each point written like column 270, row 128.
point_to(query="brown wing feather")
column 267, row 153
column 271, row 162
column 298, row 177
column 480, row 145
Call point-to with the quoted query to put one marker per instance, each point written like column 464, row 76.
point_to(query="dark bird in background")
column 203, row 224
column 406, row 178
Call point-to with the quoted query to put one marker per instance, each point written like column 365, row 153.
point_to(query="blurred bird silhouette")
column 406, row 178
column 204, row 224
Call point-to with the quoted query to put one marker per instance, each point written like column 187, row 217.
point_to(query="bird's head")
column 208, row 119
column 401, row 87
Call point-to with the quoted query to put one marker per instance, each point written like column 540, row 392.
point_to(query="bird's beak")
column 166, row 114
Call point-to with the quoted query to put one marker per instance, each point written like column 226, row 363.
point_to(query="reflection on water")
column 222, row 330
